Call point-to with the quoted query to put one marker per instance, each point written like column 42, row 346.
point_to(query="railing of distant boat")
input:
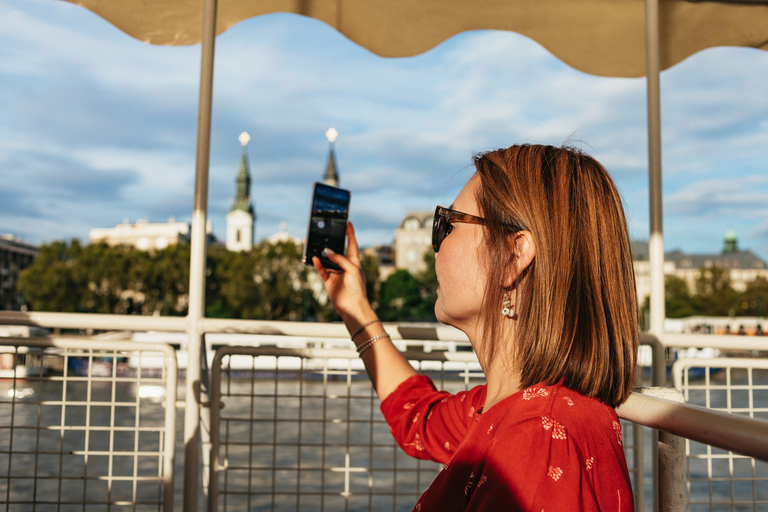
column 731, row 432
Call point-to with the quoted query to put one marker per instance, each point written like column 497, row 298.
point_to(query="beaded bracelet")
column 362, row 328
column 369, row 343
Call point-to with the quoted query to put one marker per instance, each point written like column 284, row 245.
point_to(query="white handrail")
column 95, row 321
column 746, row 436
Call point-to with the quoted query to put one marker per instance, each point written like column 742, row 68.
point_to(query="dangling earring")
column 509, row 308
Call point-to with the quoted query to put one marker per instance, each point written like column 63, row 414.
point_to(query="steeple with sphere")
column 331, row 176
column 241, row 218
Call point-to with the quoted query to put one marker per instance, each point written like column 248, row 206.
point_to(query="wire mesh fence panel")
column 86, row 427
column 302, row 430
column 719, row 480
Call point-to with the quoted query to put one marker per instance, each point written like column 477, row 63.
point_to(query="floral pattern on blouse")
column 534, row 450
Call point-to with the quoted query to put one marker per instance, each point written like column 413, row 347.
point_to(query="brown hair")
column 576, row 305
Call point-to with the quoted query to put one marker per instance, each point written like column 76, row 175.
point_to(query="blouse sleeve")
column 430, row 424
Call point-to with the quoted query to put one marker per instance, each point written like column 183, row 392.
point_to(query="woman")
column 533, row 264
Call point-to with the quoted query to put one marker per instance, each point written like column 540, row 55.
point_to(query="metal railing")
column 86, row 424
column 285, row 388
column 720, row 479
column 301, row 429
column 745, row 435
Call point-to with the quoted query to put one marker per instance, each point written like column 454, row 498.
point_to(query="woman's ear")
column 523, row 249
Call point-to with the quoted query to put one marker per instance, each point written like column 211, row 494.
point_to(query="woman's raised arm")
column 385, row 365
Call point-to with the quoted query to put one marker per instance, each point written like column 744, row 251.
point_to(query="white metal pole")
column 197, row 263
column 656, row 240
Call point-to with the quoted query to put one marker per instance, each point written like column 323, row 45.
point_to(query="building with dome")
column 743, row 266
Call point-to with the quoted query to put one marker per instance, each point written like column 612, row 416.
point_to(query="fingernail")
column 329, row 251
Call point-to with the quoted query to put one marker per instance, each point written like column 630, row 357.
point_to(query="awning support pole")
column 197, row 264
column 656, row 241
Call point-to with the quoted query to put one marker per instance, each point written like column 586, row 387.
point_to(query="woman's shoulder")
column 557, row 403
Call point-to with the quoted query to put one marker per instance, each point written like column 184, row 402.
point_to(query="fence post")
column 671, row 472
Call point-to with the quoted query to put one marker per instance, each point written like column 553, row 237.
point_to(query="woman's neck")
column 500, row 383
column 501, row 374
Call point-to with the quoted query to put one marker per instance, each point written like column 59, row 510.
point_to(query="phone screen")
column 327, row 223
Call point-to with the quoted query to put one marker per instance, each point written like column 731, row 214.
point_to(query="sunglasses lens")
column 436, row 238
column 439, row 231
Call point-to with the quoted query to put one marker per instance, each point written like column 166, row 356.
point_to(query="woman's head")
column 575, row 302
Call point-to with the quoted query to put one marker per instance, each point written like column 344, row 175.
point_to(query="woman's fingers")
column 320, row 268
column 350, row 263
column 346, row 289
column 339, row 259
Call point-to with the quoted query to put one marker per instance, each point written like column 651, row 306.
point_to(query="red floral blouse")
column 545, row 448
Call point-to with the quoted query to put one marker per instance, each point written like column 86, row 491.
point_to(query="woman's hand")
column 346, row 288
column 385, row 365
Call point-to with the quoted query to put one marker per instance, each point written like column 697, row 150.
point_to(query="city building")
column 145, row 235
column 241, row 219
column 642, row 265
column 743, row 266
column 413, row 239
column 15, row 256
column 385, row 258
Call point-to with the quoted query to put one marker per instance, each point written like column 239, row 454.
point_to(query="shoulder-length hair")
column 576, row 306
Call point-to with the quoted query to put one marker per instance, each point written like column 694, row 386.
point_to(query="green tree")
column 678, row 300
column 428, row 280
column 404, row 298
column 103, row 272
column 267, row 283
column 239, row 293
column 370, row 266
column 100, row 279
column 216, row 305
column 163, row 279
column 400, row 297
column 281, row 278
column 754, row 300
column 49, row 284
column 714, row 294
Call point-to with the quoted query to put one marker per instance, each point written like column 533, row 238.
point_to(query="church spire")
column 241, row 218
column 243, row 189
column 331, row 174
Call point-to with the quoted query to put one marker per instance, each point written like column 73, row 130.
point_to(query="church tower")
column 241, row 219
column 331, row 174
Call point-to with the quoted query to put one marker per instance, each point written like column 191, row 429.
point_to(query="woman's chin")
column 441, row 316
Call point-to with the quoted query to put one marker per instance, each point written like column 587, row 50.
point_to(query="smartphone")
column 327, row 223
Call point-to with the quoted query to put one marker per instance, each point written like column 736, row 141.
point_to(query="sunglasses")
column 441, row 225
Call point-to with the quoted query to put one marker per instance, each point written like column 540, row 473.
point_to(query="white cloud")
column 746, row 197
column 82, row 95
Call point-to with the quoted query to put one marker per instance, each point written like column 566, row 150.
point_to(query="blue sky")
column 97, row 127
